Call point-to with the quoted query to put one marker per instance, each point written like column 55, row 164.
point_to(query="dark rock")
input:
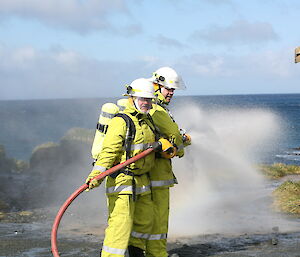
column 53, row 167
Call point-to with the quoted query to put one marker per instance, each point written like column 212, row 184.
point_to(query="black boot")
column 135, row 251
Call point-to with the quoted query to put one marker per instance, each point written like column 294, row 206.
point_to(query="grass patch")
column 279, row 170
column 287, row 197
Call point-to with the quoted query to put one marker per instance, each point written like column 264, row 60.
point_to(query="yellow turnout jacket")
column 113, row 152
column 162, row 175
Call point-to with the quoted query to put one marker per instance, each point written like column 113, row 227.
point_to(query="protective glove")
column 94, row 182
column 168, row 150
column 156, row 146
column 187, row 140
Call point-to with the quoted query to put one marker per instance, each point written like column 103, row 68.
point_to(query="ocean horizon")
column 29, row 123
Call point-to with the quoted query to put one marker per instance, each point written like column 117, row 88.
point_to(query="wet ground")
column 27, row 234
column 259, row 245
column 33, row 239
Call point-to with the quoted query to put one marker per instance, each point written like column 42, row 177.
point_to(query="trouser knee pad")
column 135, row 251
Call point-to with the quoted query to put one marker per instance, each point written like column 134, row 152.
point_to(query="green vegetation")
column 287, row 197
column 279, row 170
column 11, row 164
column 80, row 134
column 74, row 134
column 21, row 165
column 44, row 146
column 52, row 156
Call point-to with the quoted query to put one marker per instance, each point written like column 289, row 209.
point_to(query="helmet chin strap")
column 136, row 104
column 157, row 87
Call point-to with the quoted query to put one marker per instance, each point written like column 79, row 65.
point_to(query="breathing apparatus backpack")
column 108, row 111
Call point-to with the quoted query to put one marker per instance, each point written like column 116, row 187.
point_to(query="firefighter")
column 128, row 191
column 165, row 81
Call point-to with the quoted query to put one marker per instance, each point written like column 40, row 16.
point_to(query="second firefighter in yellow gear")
column 162, row 176
column 128, row 191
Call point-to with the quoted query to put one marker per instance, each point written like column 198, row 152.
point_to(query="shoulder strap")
column 130, row 134
column 154, row 128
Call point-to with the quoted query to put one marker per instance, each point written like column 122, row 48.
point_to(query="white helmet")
column 141, row 88
column 167, row 77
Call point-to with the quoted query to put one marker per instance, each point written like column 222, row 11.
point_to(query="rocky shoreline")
column 31, row 194
column 33, row 239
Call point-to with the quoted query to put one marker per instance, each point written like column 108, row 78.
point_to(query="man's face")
column 144, row 104
column 167, row 93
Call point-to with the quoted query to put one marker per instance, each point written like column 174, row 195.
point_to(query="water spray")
column 73, row 196
column 218, row 177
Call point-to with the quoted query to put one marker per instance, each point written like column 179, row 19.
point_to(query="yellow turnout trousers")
column 156, row 240
column 156, row 245
column 122, row 209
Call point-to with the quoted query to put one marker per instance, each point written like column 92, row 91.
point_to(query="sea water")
column 26, row 124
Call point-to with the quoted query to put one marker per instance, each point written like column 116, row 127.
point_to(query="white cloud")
column 275, row 64
column 27, row 73
column 164, row 41
column 239, row 32
column 77, row 15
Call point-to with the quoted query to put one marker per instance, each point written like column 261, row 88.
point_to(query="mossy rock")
column 79, row 134
column 287, row 197
column 9, row 164
column 279, row 170
column 51, row 158
column 44, row 155
column 21, row 165
column 44, row 146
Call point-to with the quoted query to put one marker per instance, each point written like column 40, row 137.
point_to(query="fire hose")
column 81, row 189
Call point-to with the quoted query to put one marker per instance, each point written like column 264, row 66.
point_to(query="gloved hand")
column 187, row 140
column 92, row 183
column 156, row 146
column 168, row 150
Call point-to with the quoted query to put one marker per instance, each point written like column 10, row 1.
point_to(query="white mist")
column 220, row 190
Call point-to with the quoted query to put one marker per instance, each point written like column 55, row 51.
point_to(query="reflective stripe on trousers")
column 113, row 250
column 157, row 244
column 122, row 209
column 148, row 236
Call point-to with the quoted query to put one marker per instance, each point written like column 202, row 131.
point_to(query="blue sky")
column 92, row 48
